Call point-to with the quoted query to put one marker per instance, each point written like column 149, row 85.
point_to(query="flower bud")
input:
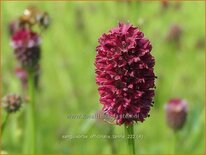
column 26, row 48
column 12, row 103
column 175, row 33
column 176, row 113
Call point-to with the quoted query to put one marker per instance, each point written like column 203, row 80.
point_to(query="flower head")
column 26, row 47
column 124, row 74
column 176, row 113
column 12, row 103
column 175, row 33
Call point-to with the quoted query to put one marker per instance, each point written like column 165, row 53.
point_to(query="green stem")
column 30, row 136
column 4, row 123
column 129, row 135
column 176, row 142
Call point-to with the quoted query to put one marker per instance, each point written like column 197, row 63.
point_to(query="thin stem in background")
column 30, row 136
column 4, row 123
column 129, row 135
column 176, row 142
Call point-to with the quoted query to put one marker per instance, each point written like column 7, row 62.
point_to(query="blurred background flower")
column 26, row 48
column 176, row 113
column 12, row 103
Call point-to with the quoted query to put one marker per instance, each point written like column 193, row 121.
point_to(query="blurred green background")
column 67, row 84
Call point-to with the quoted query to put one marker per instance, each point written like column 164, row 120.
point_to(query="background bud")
column 26, row 48
column 12, row 103
column 176, row 113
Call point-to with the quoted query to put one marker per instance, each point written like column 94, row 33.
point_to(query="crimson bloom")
column 176, row 113
column 26, row 47
column 125, row 74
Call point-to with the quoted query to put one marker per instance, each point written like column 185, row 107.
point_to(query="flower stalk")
column 129, row 135
column 176, row 142
column 4, row 123
column 30, row 139
column 111, row 140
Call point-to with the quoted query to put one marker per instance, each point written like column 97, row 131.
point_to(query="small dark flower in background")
column 22, row 74
column 164, row 4
column 26, row 48
column 174, row 33
column 200, row 43
column 176, row 113
column 11, row 103
column 125, row 74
